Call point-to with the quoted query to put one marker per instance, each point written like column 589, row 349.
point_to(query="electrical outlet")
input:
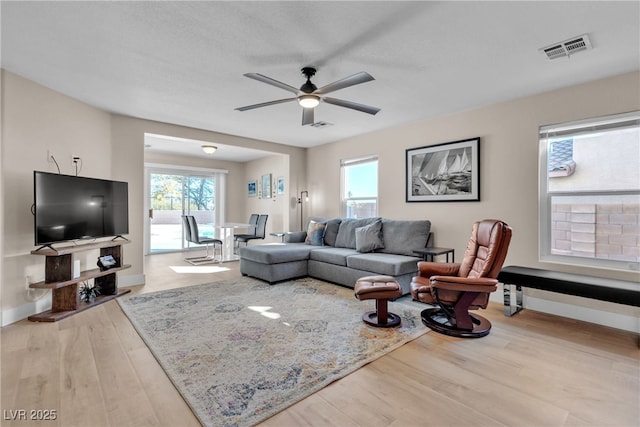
column 49, row 156
column 75, row 159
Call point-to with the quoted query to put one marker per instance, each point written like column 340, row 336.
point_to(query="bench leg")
column 512, row 299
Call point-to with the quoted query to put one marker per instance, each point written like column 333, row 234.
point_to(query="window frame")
column 219, row 175
column 579, row 127
column 344, row 200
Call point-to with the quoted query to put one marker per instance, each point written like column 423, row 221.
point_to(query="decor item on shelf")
column 308, row 96
column 106, row 262
column 306, row 199
column 89, row 292
column 239, row 351
column 444, row 172
column 265, row 186
column 209, row 149
column 252, row 188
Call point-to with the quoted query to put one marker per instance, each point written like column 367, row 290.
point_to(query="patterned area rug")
column 240, row 351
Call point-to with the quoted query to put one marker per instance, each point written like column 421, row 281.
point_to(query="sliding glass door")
column 172, row 194
column 200, row 198
column 165, row 212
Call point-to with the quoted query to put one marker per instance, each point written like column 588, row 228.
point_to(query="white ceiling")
column 183, row 62
column 166, row 144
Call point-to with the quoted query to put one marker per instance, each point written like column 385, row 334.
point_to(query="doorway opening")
column 174, row 193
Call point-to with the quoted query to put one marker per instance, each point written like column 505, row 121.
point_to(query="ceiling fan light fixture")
column 309, row 101
column 209, row 149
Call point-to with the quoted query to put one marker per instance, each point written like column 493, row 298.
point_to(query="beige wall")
column 36, row 119
column 278, row 207
column 508, row 165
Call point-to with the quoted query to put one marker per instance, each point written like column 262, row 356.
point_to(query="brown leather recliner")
column 459, row 287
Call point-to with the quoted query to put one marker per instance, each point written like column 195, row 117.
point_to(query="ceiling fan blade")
column 355, row 79
column 270, row 81
column 265, row 104
column 352, row 105
column 307, row 116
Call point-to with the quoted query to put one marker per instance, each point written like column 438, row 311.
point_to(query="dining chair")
column 253, row 221
column 260, row 231
column 192, row 235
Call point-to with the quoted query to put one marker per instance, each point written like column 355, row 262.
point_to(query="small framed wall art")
column 444, row 172
column 252, row 188
column 280, row 185
column 265, row 186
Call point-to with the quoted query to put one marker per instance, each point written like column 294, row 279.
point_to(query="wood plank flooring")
column 534, row 369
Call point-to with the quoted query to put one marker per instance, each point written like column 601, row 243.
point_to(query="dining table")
column 226, row 233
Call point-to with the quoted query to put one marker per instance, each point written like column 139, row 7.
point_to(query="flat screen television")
column 68, row 207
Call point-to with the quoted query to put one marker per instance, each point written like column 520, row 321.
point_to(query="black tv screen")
column 71, row 207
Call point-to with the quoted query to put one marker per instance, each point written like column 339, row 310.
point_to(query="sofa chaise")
column 341, row 250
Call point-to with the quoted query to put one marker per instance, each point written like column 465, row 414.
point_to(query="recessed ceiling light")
column 209, row 149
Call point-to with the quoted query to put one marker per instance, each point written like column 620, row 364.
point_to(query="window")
column 590, row 192
column 359, row 187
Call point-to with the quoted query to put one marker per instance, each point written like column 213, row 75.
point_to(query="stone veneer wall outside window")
column 605, row 231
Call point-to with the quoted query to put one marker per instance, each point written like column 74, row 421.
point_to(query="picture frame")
column 447, row 172
column 252, row 188
column 265, row 186
column 280, row 185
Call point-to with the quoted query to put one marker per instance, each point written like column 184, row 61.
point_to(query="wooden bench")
column 611, row 290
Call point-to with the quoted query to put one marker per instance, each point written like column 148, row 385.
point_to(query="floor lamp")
column 306, row 199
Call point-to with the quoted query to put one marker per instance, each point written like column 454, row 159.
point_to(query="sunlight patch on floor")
column 198, row 269
column 264, row 311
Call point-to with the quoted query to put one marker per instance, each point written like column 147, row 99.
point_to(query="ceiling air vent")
column 567, row 47
column 321, row 124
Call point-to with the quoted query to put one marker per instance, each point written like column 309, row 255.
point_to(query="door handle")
column 150, row 213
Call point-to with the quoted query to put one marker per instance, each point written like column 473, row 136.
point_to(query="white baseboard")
column 133, row 280
column 599, row 317
column 605, row 318
column 22, row 312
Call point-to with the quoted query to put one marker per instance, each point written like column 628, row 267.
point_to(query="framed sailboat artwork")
column 447, row 172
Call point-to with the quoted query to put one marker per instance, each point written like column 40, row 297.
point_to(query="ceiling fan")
column 309, row 96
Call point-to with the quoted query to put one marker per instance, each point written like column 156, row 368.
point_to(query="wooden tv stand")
column 65, row 300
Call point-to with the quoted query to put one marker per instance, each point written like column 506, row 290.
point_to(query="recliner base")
column 435, row 318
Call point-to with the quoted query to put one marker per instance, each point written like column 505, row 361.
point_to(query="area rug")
column 240, row 351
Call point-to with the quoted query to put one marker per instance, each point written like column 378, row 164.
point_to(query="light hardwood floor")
column 534, row 369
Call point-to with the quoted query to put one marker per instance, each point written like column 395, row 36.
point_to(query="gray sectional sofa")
column 341, row 250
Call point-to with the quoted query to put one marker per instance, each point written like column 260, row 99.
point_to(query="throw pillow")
column 315, row 234
column 369, row 237
column 346, row 237
column 331, row 231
